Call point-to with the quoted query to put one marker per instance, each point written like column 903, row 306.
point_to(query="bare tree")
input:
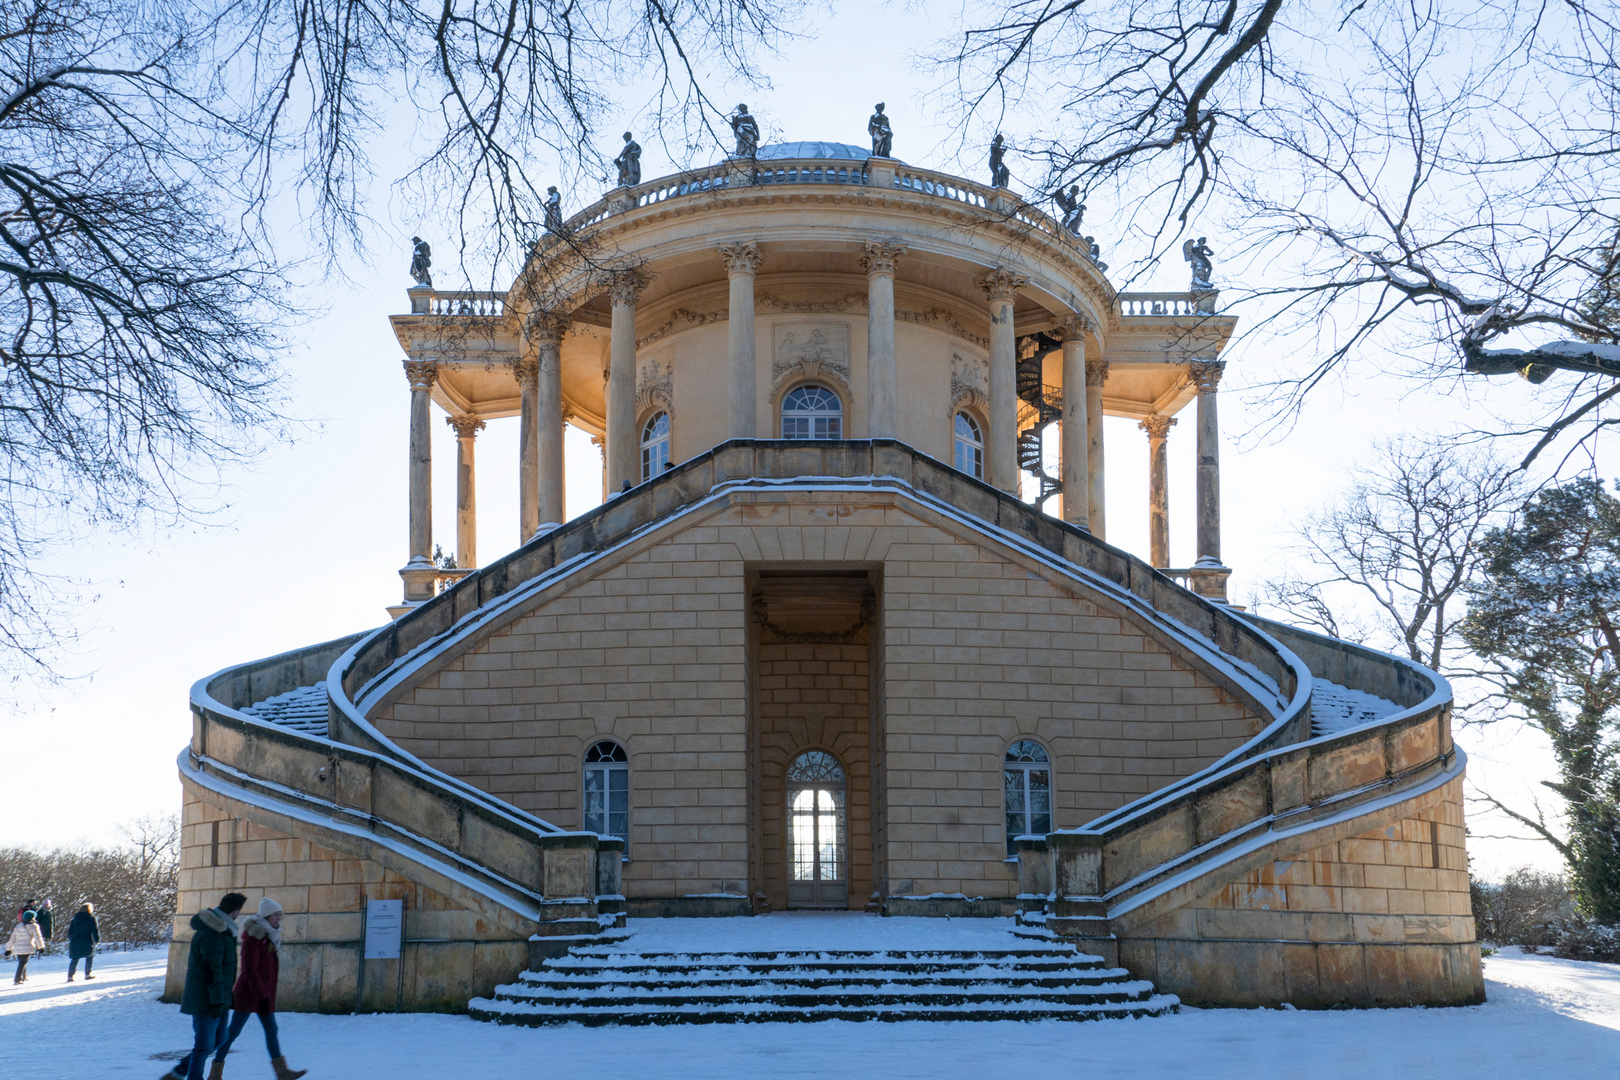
column 1388, row 560
column 142, row 142
column 1419, row 179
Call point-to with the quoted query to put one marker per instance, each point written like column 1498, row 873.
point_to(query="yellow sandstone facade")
column 814, row 650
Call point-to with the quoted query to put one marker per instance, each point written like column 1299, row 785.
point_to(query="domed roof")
column 835, row 150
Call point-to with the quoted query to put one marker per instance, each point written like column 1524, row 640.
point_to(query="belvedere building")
column 813, row 650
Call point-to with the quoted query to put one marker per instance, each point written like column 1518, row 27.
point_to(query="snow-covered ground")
column 1545, row 1018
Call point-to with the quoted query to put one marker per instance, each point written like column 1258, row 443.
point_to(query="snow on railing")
column 1201, row 302
column 464, row 302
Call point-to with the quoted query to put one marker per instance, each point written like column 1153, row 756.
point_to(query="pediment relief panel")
column 804, row 351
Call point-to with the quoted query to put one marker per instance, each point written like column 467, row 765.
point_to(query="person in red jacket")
column 255, row 990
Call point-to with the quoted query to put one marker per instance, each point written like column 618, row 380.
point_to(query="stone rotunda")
column 813, row 650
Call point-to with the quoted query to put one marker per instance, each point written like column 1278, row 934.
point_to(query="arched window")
column 1028, row 783
column 654, row 445
column 607, row 790
column 818, row 872
column 812, row 412
column 969, row 446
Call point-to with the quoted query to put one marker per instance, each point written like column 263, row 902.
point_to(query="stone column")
column 1096, row 375
column 418, row 572
column 547, row 330
column 1001, row 447
column 623, row 457
column 1158, row 429
column 1076, row 475
column 879, row 262
column 1207, row 376
column 742, row 263
column 526, row 371
column 467, row 428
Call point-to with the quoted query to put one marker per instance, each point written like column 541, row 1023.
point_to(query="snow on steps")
column 597, row 985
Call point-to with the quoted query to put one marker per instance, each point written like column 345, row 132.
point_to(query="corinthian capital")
column 421, row 373
column 1002, row 284
column 547, row 326
column 1158, row 425
column 527, row 372
column 466, row 426
column 1206, row 374
column 741, row 258
column 624, row 285
column 1096, row 372
column 881, row 256
column 1075, row 325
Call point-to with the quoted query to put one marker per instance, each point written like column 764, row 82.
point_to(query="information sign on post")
column 385, row 925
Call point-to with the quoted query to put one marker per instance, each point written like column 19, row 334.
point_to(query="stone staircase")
column 597, row 985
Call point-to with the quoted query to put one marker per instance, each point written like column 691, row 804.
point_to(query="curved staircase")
column 596, row 985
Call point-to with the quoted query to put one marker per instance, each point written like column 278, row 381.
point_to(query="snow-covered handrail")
column 381, row 794
column 1266, row 788
column 1262, row 673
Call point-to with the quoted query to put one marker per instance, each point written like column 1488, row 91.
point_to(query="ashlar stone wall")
column 1378, row 918
column 450, row 954
column 978, row 646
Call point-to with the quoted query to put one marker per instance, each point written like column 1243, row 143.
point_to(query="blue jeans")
column 267, row 1019
column 208, row 1032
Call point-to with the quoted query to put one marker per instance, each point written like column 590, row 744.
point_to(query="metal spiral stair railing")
column 1033, row 392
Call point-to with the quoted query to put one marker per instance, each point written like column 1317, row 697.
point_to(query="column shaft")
column 742, row 263
column 622, row 445
column 525, row 371
column 1001, row 451
column 549, row 423
column 879, row 261
column 1076, row 472
column 467, row 429
column 1207, row 377
column 1097, row 504
column 421, row 375
column 1158, row 429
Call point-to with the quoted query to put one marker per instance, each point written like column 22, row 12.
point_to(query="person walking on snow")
column 24, row 942
column 210, row 974
column 46, row 921
column 256, row 989
column 84, row 934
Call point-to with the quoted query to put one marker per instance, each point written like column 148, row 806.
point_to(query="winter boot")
column 282, row 1072
column 216, row 1071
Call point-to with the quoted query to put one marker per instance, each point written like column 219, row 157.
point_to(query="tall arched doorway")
column 818, row 832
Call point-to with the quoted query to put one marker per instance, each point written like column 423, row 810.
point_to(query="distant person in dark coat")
column 210, row 974
column 256, row 989
column 84, row 934
column 46, row 922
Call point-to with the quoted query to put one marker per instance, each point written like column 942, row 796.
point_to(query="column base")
column 1207, row 578
column 421, row 578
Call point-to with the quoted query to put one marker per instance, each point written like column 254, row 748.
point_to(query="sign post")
column 385, row 926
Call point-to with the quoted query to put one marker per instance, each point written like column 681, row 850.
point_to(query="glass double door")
column 818, row 842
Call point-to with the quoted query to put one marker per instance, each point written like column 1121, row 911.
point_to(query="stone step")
column 800, row 977
column 594, row 984
column 511, row 1012
column 843, row 996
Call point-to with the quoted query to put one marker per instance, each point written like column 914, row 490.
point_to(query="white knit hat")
column 268, row 907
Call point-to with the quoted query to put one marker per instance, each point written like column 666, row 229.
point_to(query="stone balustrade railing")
column 1201, row 302
column 1265, row 675
column 382, row 804
column 1278, row 781
column 462, row 302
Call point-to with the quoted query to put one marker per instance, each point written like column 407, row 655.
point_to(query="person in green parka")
column 210, row 976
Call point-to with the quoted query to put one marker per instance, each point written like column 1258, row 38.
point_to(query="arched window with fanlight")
column 607, row 790
column 1028, row 783
column 969, row 446
column 812, row 412
column 654, row 445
